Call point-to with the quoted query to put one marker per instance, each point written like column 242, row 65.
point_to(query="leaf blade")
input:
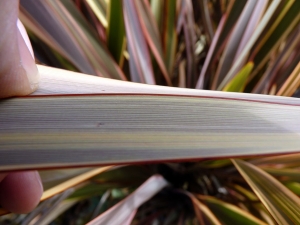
column 126, row 207
column 229, row 213
column 141, row 69
column 285, row 208
column 115, row 32
column 238, row 83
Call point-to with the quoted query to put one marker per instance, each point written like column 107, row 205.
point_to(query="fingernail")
column 25, row 37
column 27, row 58
column 38, row 178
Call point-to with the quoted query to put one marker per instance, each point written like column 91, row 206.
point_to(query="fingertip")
column 20, row 192
column 18, row 72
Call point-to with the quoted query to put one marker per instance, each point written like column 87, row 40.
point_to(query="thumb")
column 18, row 72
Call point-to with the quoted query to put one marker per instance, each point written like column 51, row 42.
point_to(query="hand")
column 20, row 192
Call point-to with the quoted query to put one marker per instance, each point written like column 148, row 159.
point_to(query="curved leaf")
column 229, row 213
column 283, row 205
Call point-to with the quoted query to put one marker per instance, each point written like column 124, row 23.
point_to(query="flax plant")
column 220, row 45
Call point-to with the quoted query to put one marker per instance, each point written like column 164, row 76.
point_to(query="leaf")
column 212, row 49
column 104, row 199
column 229, row 213
column 285, row 17
column 211, row 164
column 47, row 209
column 130, row 174
column 275, row 66
column 233, row 43
column 261, row 26
column 286, row 22
column 287, row 69
column 50, row 29
column 125, row 209
column 288, row 174
column 238, row 83
column 249, row 194
column 294, row 187
column 283, row 205
column 182, row 75
column 94, row 50
column 232, row 14
column 103, row 128
column 57, row 211
column 101, row 30
column 190, row 41
column 157, row 11
column 292, row 83
column 79, row 18
column 253, row 21
column 141, row 69
column 169, row 34
column 204, row 210
column 115, row 30
column 99, row 7
column 72, row 182
column 88, row 190
column 66, row 26
column 205, row 15
column 61, row 82
column 151, row 33
column 281, row 161
column 51, row 178
column 225, row 26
